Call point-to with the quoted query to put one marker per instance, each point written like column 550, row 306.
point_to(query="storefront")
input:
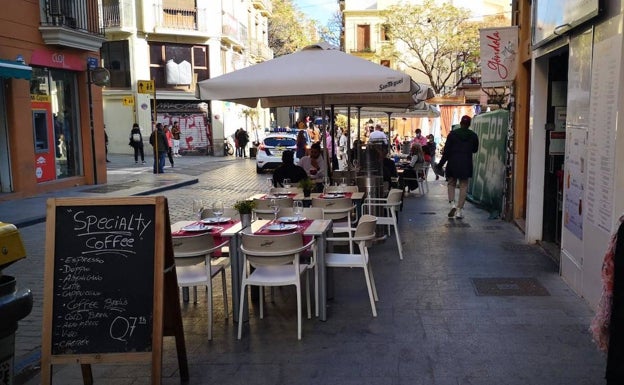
column 46, row 139
column 575, row 157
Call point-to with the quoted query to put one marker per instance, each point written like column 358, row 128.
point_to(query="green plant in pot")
column 245, row 208
column 307, row 185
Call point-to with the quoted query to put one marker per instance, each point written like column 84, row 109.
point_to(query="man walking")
column 460, row 145
column 159, row 142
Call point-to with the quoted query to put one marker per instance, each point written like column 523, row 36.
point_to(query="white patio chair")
column 263, row 208
column 275, row 259
column 390, row 206
column 193, row 256
column 340, row 211
column 363, row 235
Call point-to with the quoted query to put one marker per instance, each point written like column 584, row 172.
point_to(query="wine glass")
column 286, row 183
column 198, row 207
column 217, row 210
column 276, row 208
column 326, row 184
column 269, row 185
column 298, row 210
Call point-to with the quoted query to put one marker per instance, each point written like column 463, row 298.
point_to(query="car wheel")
column 258, row 170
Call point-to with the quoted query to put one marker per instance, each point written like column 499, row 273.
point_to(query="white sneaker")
column 451, row 213
column 459, row 214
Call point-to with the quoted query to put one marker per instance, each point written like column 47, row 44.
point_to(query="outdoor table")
column 229, row 231
column 320, row 229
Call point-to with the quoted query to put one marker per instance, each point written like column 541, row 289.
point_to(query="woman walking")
column 136, row 141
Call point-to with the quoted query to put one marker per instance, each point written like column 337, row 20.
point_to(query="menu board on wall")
column 574, row 181
column 604, row 103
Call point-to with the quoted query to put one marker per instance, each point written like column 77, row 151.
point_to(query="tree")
column 333, row 30
column 440, row 42
column 289, row 29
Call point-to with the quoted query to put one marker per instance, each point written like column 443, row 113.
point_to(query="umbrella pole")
column 348, row 134
column 389, row 128
column 359, row 123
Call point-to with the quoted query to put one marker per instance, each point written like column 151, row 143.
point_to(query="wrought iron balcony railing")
column 75, row 15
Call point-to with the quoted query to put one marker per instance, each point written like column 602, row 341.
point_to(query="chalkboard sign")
column 103, row 279
column 108, row 281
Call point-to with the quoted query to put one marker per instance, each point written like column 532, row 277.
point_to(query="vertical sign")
column 499, row 48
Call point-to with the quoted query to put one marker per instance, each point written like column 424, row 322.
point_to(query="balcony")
column 180, row 17
column 260, row 51
column 118, row 16
column 264, row 6
column 233, row 32
column 74, row 24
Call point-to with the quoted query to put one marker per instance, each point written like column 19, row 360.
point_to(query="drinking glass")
column 198, row 207
column 286, row 183
column 326, row 184
column 217, row 209
column 298, row 210
column 276, row 208
column 269, row 185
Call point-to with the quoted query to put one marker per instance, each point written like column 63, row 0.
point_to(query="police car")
column 278, row 140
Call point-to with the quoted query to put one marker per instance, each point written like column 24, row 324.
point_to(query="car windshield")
column 280, row 141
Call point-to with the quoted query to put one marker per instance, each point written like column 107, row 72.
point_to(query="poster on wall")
column 195, row 131
column 573, row 185
column 604, row 102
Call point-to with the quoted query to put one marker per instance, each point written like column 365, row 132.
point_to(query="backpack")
column 136, row 137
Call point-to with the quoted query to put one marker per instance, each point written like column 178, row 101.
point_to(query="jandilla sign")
column 499, row 56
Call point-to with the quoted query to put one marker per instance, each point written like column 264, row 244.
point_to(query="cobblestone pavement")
column 227, row 179
column 435, row 324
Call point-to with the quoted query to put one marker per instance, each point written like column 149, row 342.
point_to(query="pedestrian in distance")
column 169, row 137
column 460, row 145
column 378, row 135
column 301, row 144
column 176, row 132
column 159, row 142
column 243, row 139
column 136, row 142
column 106, row 144
column 315, row 166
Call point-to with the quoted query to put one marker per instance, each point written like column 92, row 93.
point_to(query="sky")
column 320, row 10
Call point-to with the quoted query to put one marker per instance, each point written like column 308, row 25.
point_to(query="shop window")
column 385, row 32
column 178, row 66
column 116, row 58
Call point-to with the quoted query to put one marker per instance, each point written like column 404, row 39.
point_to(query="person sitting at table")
column 288, row 170
column 315, row 166
column 411, row 172
column 389, row 167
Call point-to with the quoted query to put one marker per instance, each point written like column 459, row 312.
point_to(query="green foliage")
column 244, row 206
column 440, row 42
column 289, row 29
column 307, row 184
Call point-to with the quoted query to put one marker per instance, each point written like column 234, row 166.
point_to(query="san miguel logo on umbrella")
column 392, row 83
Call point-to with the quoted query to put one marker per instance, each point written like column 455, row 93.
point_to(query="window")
column 173, row 65
column 363, row 38
column 385, row 32
column 116, row 57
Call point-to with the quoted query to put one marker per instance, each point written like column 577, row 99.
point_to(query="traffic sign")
column 146, row 86
column 128, row 100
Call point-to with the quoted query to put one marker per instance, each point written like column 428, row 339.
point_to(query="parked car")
column 275, row 142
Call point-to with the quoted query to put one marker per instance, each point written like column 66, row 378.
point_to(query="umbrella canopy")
column 317, row 75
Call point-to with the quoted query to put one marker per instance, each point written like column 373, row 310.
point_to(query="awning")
column 14, row 69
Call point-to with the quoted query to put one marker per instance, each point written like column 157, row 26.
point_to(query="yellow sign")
column 146, row 86
column 39, row 98
column 128, row 100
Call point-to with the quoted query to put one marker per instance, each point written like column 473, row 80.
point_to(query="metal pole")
column 89, row 85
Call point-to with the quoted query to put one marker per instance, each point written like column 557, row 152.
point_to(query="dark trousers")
column 159, row 163
column 138, row 149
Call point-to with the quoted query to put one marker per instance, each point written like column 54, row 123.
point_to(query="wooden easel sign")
column 109, row 278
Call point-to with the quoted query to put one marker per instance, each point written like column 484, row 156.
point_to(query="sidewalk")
column 470, row 304
column 124, row 178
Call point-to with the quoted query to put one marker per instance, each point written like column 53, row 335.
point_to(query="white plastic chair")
column 364, row 233
column 193, row 256
column 390, row 206
column 275, row 259
column 340, row 211
column 263, row 208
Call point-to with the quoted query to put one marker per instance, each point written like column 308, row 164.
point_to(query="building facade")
column 570, row 152
column 50, row 136
column 175, row 44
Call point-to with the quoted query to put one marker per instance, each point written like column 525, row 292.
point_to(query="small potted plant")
column 245, row 208
column 307, row 185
